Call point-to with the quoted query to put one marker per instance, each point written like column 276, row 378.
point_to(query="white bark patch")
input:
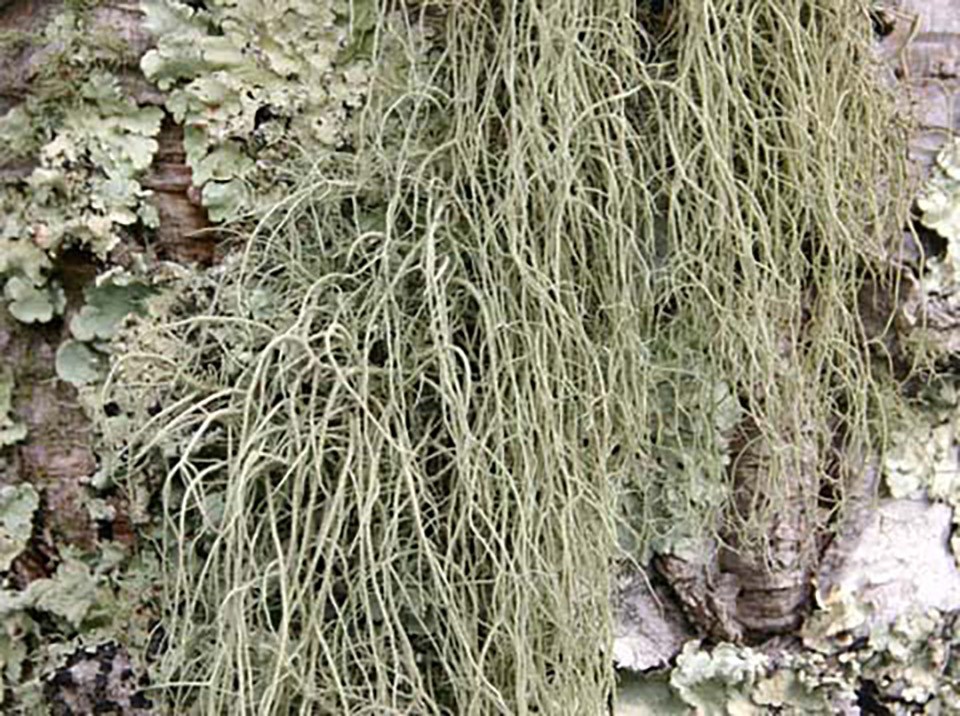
column 897, row 560
column 649, row 629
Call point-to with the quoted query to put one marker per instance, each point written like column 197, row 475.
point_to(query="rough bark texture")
column 923, row 47
column 773, row 579
column 97, row 681
column 56, row 456
column 650, row 628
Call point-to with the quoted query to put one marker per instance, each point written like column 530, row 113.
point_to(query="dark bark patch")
column 100, row 680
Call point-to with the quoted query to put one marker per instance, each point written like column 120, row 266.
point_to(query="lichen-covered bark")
column 882, row 637
column 76, row 520
column 58, row 454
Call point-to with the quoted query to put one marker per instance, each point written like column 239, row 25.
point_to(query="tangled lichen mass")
column 510, row 297
column 570, row 252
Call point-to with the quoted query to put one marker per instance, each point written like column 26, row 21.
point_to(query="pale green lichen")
column 75, row 149
column 82, row 147
column 115, row 295
column 245, row 77
column 18, row 503
column 911, row 667
column 29, row 303
column 726, row 675
column 85, row 145
column 69, row 594
column 931, row 305
column 68, row 49
column 908, row 658
column 791, row 691
column 89, row 600
column 108, row 303
column 939, row 201
column 648, row 695
column 86, row 187
column 727, row 680
column 15, row 630
column 79, row 364
column 923, row 457
column 838, row 613
column 18, row 257
column 694, row 423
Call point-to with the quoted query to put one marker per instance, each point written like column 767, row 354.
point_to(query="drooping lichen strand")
column 564, row 261
column 778, row 169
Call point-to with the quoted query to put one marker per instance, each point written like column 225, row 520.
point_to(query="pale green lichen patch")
column 66, row 598
column 725, row 676
column 79, row 147
column 931, row 308
column 15, row 629
column 86, row 185
column 838, row 615
column 67, row 50
column 18, row 257
column 923, row 457
column 694, row 421
column 909, row 659
column 68, row 594
column 18, row 503
column 280, row 73
column 648, row 695
column 33, row 304
column 727, row 680
column 107, row 305
column 89, row 600
column 933, row 417
column 75, row 152
column 79, row 364
column 909, row 667
column 940, row 199
column 83, row 145
column 791, row 692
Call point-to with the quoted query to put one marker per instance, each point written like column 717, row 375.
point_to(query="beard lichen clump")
column 570, row 249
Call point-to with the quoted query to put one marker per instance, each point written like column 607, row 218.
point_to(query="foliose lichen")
column 85, row 187
column 909, row 667
column 17, row 505
column 74, row 152
column 249, row 78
